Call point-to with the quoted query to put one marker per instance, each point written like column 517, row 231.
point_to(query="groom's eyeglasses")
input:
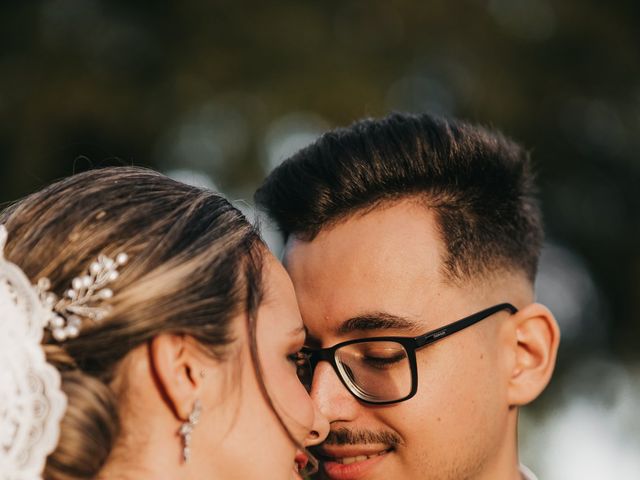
column 382, row 370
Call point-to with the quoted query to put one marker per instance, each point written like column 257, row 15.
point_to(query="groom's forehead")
column 383, row 265
column 333, row 310
column 382, row 244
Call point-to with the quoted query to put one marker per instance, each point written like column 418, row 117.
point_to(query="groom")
column 413, row 243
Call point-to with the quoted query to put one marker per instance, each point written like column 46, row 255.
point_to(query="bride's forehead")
column 279, row 303
column 276, row 280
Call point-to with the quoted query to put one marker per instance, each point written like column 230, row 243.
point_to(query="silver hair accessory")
column 187, row 427
column 32, row 402
column 82, row 301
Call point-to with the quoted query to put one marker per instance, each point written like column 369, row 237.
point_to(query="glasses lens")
column 376, row 371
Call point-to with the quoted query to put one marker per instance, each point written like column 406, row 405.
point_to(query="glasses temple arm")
column 458, row 325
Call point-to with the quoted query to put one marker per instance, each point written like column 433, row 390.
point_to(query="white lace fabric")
column 32, row 403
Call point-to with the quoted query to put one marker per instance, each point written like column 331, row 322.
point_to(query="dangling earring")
column 186, row 428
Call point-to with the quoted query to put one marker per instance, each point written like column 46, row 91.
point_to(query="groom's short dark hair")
column 478, row 183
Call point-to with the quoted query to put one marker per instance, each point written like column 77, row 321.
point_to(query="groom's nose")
column 331, row 397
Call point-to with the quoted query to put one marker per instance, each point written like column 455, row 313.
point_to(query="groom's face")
column 388, row 264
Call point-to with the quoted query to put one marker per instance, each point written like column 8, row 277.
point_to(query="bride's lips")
column 352, row 462
column 300, row 462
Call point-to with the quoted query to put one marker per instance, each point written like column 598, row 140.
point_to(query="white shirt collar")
column 526, row 473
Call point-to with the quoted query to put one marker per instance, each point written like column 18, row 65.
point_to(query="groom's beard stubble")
column 345, row 436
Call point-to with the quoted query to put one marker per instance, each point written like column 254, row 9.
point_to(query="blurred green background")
column 219, row 92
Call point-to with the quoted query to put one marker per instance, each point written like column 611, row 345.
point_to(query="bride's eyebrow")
column 301, row 330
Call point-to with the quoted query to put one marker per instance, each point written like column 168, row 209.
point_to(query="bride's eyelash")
column 297, row 358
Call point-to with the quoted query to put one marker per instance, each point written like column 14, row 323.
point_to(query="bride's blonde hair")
column 194, row 264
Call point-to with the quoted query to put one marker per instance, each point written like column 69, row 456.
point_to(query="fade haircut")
column 478, row 183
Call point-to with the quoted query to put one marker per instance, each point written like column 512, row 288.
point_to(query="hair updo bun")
column 88, row 430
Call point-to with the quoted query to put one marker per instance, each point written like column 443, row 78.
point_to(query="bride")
column 148, row 334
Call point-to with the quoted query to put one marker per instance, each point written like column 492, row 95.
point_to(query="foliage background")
column 219, row 92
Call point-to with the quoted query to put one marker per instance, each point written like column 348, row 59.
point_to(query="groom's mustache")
column 344, row 436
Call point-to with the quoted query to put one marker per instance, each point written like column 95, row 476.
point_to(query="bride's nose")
column 319, row 429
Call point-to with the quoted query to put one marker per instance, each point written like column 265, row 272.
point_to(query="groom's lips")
column 352, row 462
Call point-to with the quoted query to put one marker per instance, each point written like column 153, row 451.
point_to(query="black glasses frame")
column 410, row 344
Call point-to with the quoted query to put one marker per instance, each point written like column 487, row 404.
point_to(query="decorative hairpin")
column 82, row 300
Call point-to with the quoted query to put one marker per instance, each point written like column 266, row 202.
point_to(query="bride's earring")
column 187, row 427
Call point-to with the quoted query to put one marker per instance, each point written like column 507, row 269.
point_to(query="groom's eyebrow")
column 377, row 321
column 369, row 322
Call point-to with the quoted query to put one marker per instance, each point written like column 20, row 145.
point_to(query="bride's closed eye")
column 298, row 358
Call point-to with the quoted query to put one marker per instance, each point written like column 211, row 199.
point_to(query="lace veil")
column 32, row 403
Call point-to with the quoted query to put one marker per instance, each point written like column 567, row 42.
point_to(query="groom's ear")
column 177, row 371
column 533, row 346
